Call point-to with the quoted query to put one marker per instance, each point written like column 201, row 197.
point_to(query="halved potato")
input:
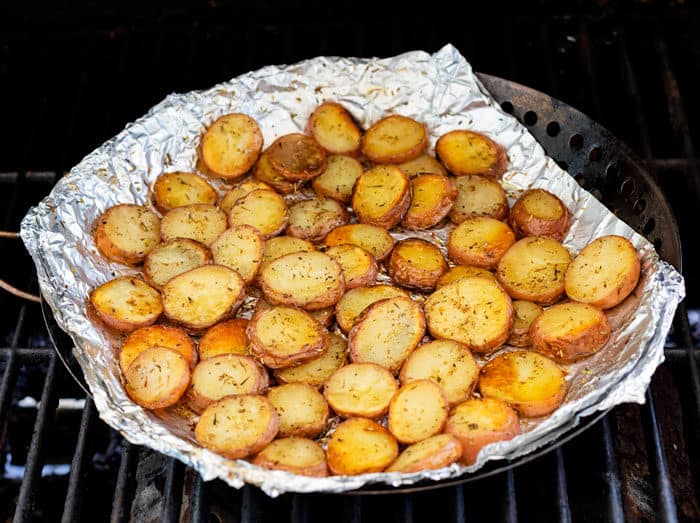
column 156, row 336
column 604, row 273
column 231, row 145
column 423, row 164
column 530, row 382
column 375, row 240
column 417, row 411
column 240, row 248
column 265, row 172
column 570, row 331
column 417, row 264
column 479, row 241
column 433, row 197
column 475, row 311
column 334, row 129
column 478, row 196
column 381, row 196
column 302, row 409
column 359, row 267
column 525, row 313
column 239, row 191
column 357, row 300
column 338, row 178
column 174, row 257
column 317, row 371
column 178, row 189
column 539, row 213
column 157, row 378
column 126, row 303
column 265, row 210
column 463, row 271
column 200, row 222
column 300, row 456
column 313, row 219
column 395, row 139
column 238, row 426
column 126, row 233
column 280, row 245
column 432, row 453
column 323, row 316
column 297, row 157
column 467, row 152
column 360, row 389
column 359, row 446
column 227, row 337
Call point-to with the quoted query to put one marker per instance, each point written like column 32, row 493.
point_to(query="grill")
column 74, row 82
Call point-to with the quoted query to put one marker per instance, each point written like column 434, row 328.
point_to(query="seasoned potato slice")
column 570, row 331
column 525, row 314
column 417, row 264
column 302, row 409
column 478, row 196
column 157, row 378
column 323, row 316
column 265, row 172
column 126, row 303
column 199, row 298
column 156, row 336
column 231, row 145
column 357, row 300
column 432, row 453
column 315, row 372
column 467, row 152
column 463, row 271
column 200, row 222
column 417, row 411
column 395, row 139
column 296, row 455
column 360, row 389
column 387, row 332
column 479, row 241
column 447, row 363
column 297, row 157
column 533, row 269
column 127, row 233
column 604, row 273
column 359, row 267
column 334, row 129
column 475, row 311
column 280, row 245
column 238, row 426
column 179, row 189
column 359, row 446
column 312, row 280
column 240, row 248
column 239, row 191
column 375, row 240
column 381, row 196
column 265, row 210
column 313, row 219
column 338, row 178
column 174, row 257
column 423, row 164
column 433, row 197
column 227, row 337
column 539, row 213
column 480, row 422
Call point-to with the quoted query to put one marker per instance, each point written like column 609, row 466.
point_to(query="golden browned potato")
column 387, row 332
column 480, row 422
column 156, row 336
column 360, row 389
column 227, row 337
column 334, row 129
column 359, row 446
column 467, row 152
column 200, row 222
column 323, row 316
column 280, row 245
column 126, row 303
column 525, row 313
column 178, row 189
column 297, row 157
column 417, row 264
column 381, row 196
column 356, row 301
column 317, row 371
column 240, row 248
column 432, row 453
column 239, row 191
column 238, row 426
column 423, row 164
column 157, row 378
column 395, row 139
column 338, row 178
column 475, row 311
column 127, row 233
column 266, row 173
column 539, row 213
column 375, row 240
column 433, row 197
column 478, row 196
column 231, row 145
column 265, row 210
column 359, row 267
column 445, row 362
column 174, row 257
column 300, row 456
column 533, row 269
column 417, row 411
column 313, row 219
column 479, row 241
column 302, row 409
column 604, row 273
column 463, row 271
column 570, row 331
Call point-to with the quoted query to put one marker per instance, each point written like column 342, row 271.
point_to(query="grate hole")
column 649, row 226
column 553, row 129
column 507, row 107
column 530, row 118
column 576, row 142
column 597, row 194
column 581, row 179
column 612, row 171
column 595, row 154
column 563, row 165
column 627, row 187
column 639, row 206
column 657, row 244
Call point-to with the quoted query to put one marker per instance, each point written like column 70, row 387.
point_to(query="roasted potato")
column 478, row 196
column 313, row 219
column 604, row 273
column 375, row 240
column 467, row 152
column 317, row 371
column 127, row 233
column 157, row 378
column 432, row 198
column 323, row 316
column 539, row 213
column 280, row 245
column 156, row 336
column 334, row 129
column 525, row 313
column 297, row 157
column 479, row 241
column 227, row 337
column 300, row 456
column 338, row 178
column 200, row 222
column 265, row 210
column 395, row 139
column 381, row 196
column 356, row 301
column 417, row 411
column 239, row 191
column 359, row 446
column 423, row 164
column 174, row 257
column 359, row 267
column 417, row 264
column 432, row 453
column 178, row 189
column 126, row 303
column 463, row 271
column 266, row 173
column 302, row 410
column 240, row 248
column 360, row 389
column 231, row 145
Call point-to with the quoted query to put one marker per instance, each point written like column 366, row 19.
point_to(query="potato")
column 433, row 197
column 478, row 196
column 423, row 164
column 157, row 378
column 179, row 189
column 313, row 219
column 338, row 178
column 239, row 191
column 127, row 233
column 126, row 303
column 360, row 389
column 417, row 411
column 375, row 240
column 323, row 316
column 475, row 311
column 311, row 280
column 432, row 453
column 533, row 269
column 265, row 210
column 174, row 257
column 570, row 331
column 200, row 222
column 266, row 173
column 280, row 245
column 395, row 139
column 467, row 152
column 529, row 382
column 334, row 129
column 447, row 363
column 525, row 314
column 463, row 271
column 359, row 267
column 357, row 300
column 297, row 157
column 231, row 145
column 604, row 273
column 227, row 337
column 300, row 456
column 480, row 422
column 302, row 409
column 539, row 213
column 201, row 297
column 417, row 264
column 317, row 371
column 237, row 426
column 387, row 332
column 156, row 336
column 381, row 196
column 479, row 241
column 359, row 446
column 281, row 336
column 240, row 248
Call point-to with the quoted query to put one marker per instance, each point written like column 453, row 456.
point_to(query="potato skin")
column 399, row 156
column 432, row 453
column 525, row 223
column 346, row 254
column 156, row 336
column 149, row 227
column 265, row 172
column 267, row 457
column 457, row 166
column 417, row 218
column 406, row 270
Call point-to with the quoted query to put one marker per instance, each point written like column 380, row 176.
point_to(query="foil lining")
column 440, row 90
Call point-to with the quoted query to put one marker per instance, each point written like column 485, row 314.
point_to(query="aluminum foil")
column 440, row 90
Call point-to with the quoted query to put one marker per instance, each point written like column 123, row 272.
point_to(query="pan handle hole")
column 595, row 154
column 639, row 206
column 576, row 142
column 530, row 118
column 553, row 129
column 507, row 107
column 649, row 226
column 627, row 187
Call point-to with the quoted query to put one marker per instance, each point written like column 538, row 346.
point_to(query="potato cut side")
column 604, row 273
column 300, row 456
column 127, row 233
column 280, row 245
column 156, row 336
column 540, row 213
column 357, row 300
column 474, row 311
column 302, row 410
column 423, row 164
column 157, row 378
column 360, row 446
column 237, row 426
column 338, row 178
column 359, row 267
column 174, row 257
column 463, row 271
column 313, row 219
column 467, row 152
column 381, row 196
column 265, row 210
column 240, row 248
column 265, row 172
column 200, row 222
column 530, row 382
column 478, row 196
column 479, row 241
column 395, row 139
column 375, row 240
column 179, row 189
column 417, row 264
column 126, row 303
column 227, row 337
column 317, row 371
column 433, row 196
column 239, row 191
column 417, row 411
column 297, row 157
column 322, row 316
column 231, row 145
column 570, row 331
column 360, row 389
column 432, row 453
column 334, row 129
column 525, row 313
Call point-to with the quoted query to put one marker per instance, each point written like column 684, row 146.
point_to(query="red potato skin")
column 525, row 224
column 448, row 454
column 495, row 171
column 442, row 209
column 317, row 471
